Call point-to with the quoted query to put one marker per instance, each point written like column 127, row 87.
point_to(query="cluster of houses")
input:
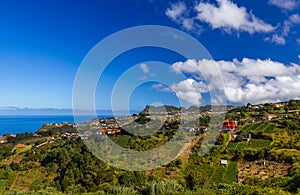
column 107, row 126
column 103, row 131
column 86, row 134
column 258, row 106
column 59, row 124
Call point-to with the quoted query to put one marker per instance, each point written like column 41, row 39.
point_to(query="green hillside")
column 268, row 163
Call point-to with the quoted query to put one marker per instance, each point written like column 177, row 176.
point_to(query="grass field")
column 219, row 174
column 259, row 143
column 267, row 128
column 231, row 173
column 246, row 128
column 226, row 174
column 24, row 149
column 261, row 127
column 270, row 128
column 253, row 143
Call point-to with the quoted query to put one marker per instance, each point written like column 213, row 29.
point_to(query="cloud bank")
column 227, row 16
column 248, row 80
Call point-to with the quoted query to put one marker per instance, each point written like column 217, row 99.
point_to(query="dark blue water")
column 21, row 124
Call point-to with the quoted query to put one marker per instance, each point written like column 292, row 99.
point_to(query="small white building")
column 224, row 162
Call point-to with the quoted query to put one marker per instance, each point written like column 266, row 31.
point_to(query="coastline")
column 14, row 124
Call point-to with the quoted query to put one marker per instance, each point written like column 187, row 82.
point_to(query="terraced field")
column 253, row 143
column 266, row 128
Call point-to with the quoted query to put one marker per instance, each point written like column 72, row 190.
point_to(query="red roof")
column 19, row 145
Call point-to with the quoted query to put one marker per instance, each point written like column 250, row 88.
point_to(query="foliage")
column 5, row 152
column 66, row 166
column 162, row 187
column 231, row 173
column 19, row 137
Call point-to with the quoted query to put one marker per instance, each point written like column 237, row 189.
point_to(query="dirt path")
column 186, row 150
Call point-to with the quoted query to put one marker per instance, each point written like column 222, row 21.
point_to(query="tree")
column 14, row 166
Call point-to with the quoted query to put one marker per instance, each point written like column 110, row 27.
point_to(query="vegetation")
column 268, row 163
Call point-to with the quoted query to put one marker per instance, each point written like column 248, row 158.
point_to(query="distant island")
column 257, row 151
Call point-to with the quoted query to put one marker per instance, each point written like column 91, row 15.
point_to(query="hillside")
column 258, row 156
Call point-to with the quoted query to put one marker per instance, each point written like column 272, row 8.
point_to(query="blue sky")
column 254, row 43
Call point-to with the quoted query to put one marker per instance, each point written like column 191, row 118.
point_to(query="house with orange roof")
column 270, row 116
column 87, row 133
column 229, row 125
column 19, row 145
column 107, row 131
column 102, row 131
column 50, row 139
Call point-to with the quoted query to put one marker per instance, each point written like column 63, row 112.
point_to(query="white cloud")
column 249, row 80
column 190, row 91
column 295, row 19
column 187, row 90
column 278, row 40
column 229, row 17
column 144, row 68
column 188, row 23
column 176, row 11
column 179, row 13
column 285, row 4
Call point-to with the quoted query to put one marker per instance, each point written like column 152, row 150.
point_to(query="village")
column 111, row 127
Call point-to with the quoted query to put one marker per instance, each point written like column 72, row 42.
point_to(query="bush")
column 162, row 187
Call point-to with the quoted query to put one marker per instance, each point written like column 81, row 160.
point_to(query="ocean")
column 21, row 124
